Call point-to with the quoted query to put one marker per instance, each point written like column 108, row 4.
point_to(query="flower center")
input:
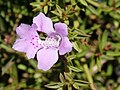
column 53, row 40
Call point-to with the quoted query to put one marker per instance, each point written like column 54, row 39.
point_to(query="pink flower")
column 47, row 50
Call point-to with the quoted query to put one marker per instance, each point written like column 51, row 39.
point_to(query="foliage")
column 94, row 30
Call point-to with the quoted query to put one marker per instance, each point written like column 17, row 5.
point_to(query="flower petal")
column 43, row 23
column 23, row 45
column 20, row 45
column 28, row 41
column 33, row 30
column 47, row 58
column 31, row 51
column 61, row 28
column 22, row 30
column 65, row 46
column 26, row 31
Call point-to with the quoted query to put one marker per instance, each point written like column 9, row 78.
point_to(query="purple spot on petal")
column 36, row 46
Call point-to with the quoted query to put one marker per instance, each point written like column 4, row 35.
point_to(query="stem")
column 89, row 76
column 69, row 87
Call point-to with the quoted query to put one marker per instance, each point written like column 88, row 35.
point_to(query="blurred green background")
column 94, row 30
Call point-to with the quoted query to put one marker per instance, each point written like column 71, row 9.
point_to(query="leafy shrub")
column 94, row 31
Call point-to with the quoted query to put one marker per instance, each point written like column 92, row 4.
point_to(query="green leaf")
column 7, row 66
column 56, row 13
column 118, row 88
column 33, row 63
column 45, row 9
column 54, row 85
column 107, row 57
column 76, row 46
column 83, row 2
column 92, row 2
column 115, row 45
column 30, row 70
column 36, row 9
column 76, row 86
column 55, row 19
column 81, row 33
column 60, row 88
column 2, row 24
column 111, row 53
column 22, row 67
column 99, row 63
column 62, row 79
column 9, row 87
column 35, row 4
column 59, row 9
column 14, row 74
column 92, row 63
column 81, row 85
column 95, row 26
column 81, row 81
column 68, row 76
column 66, row 22
column 71, row 57
column 93, row 10
column 104, row 39
column 7, row 48
column 75, row 69
column 68, row 9
column 73, row 2
column 76, row 24
column 81, row 54
column 109, row 70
